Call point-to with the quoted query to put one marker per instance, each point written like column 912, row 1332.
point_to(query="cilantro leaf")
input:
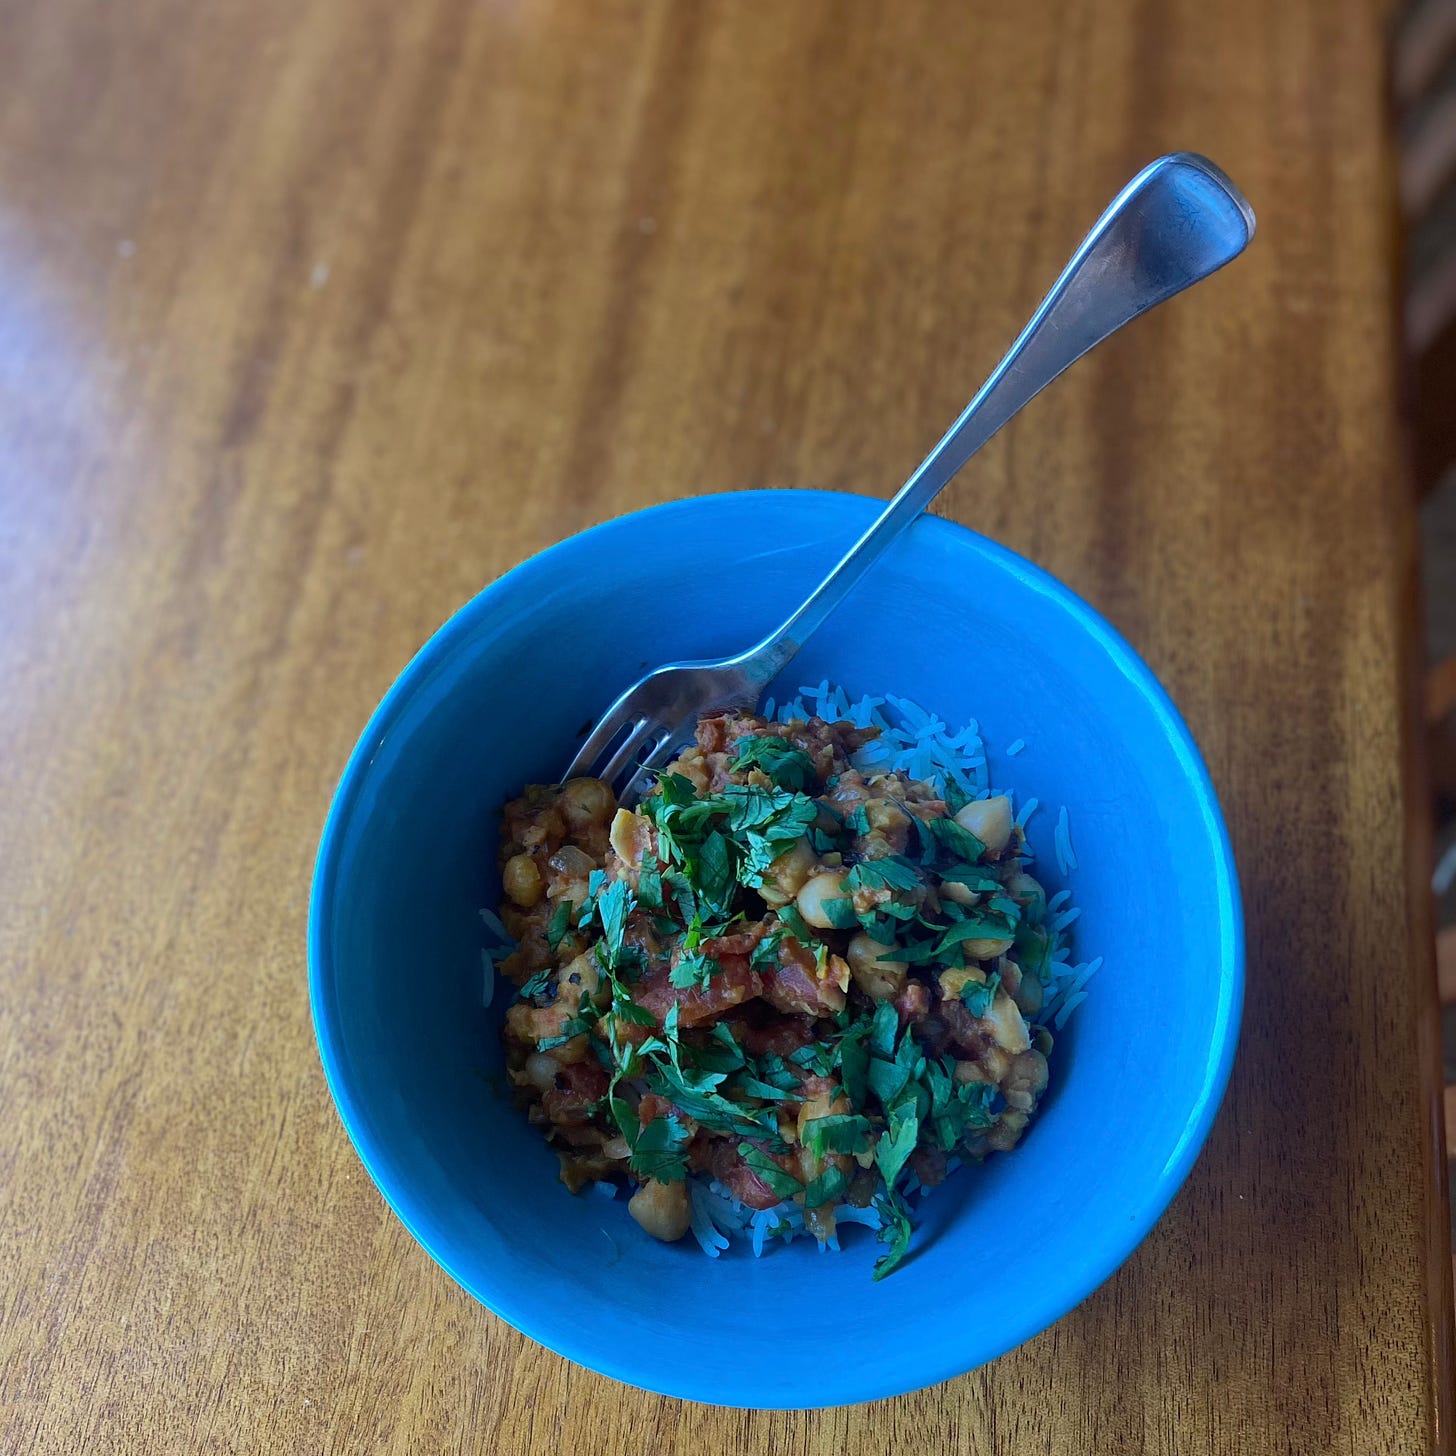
column 975, row 927
column 895, row 1231
column 540, row 983
column 777, row 1073
column 614, row 905
column 837, row 1134
column 714, row 1111
column 715, row 875
column 976, row 997
column 828, row 1187
column 777, row 1180
column 787, row 766
column 898, row 1140
column 890, row 873
column 657, row 1151
column 649, row 887
column 839, row 910
column 883, row 1029
column 571, row 1028
column 795, row 924
column 693, row 971
column 949, row 835
column 887, row 1079
column 752, row 1086
column 559, row 924
column 853, row 1060
column 973, row 877
column 766, row 952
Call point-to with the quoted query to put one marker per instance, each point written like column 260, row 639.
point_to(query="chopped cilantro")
column 694, row 1093
column 898, row 1140
column 977, row 997
column 766, row 952
column 836, row 1134
column 839, row 911
column 973, row 877
column 796, row 925
column 614, row 904
column 571, row 1028
column 788, row 767
column 828, row 1187
column 693, row 971
column 776, row 1179
column 895, row 1231
column 853, row 1060
column 953, row 837
column 657, row 1149
column 975, row 927
column 891, row 873
column 540, row 983
column 649, row 887
column 559, row 924
column 714, row 879
column 883, row 1029
column 752, row 1086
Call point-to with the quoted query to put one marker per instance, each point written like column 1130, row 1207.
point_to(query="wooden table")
column 313, row 318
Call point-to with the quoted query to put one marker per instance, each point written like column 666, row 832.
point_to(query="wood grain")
column 314, row 317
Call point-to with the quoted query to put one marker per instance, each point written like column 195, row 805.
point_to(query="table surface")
column 314, row 318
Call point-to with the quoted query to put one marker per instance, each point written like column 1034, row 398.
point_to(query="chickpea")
column 1007, row 1132
column 578, row 1049
column 954, row 890
column 585, row 802
column 989, row 820
column 888, row 821
column 994, row 1063
column 1027, row 1080
column 785, row 877
column 1027, row 891
column 985, row 948
column 1007, row 1026
column 875, row 970
column 953, row 981
column 540, row 1071
column 628, row 836
column 810, row 899
column 661, row 1209
column 1029, row 995
column 967, row 1073
column 527, row 1023
column 522, row 881
column 571, row 870
column 581, row 978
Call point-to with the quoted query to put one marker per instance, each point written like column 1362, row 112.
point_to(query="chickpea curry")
column 777, row 972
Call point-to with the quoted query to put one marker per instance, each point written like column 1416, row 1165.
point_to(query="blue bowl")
column 496, row 698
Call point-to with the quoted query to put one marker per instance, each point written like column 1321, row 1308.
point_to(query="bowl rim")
column 500, row 1299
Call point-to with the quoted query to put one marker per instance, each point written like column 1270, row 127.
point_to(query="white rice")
column 1066, row 855
column 498, row 945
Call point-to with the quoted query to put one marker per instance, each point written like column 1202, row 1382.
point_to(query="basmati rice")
column 500, row 943
column 1066, row 855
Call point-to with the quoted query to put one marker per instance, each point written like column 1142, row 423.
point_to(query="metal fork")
column 1176, row 222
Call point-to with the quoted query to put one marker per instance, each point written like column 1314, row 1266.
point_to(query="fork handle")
column 1176, row 222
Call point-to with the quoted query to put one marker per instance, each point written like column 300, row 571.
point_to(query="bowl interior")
column 969, row 631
